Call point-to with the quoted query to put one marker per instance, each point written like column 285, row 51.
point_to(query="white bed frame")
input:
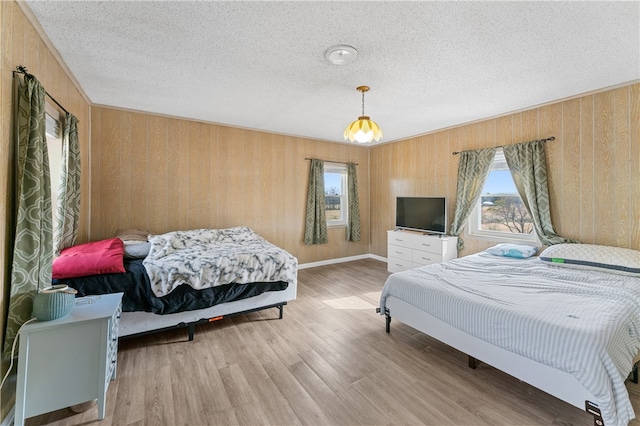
column 556, row 382
column 135, row 323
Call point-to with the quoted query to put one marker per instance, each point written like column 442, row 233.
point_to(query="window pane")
column 499, row 182
column 502, row 208
column 333, row 195
column 505, row 213
column 54, row 148
column 333, row 184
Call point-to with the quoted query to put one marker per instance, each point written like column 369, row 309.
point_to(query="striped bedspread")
column 585, row 323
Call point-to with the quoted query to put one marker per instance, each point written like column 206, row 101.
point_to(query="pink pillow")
column 99, row 257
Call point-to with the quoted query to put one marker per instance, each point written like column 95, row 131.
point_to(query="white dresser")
column 69, row 360
column 408, row 249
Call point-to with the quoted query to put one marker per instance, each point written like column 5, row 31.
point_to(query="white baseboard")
column 340, row 260
column 380, row 258
column 8, row 420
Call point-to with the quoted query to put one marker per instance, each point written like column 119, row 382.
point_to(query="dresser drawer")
column 422, row 258
column 399, row 238
column 399, row 252
column 432, row 245
column 396, row 265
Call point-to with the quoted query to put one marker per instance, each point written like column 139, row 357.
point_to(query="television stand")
column 407, row 249
column 418, row 232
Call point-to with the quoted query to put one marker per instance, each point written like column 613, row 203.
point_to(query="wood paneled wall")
column 21, row 45
column 593, row 165
column 162, row 174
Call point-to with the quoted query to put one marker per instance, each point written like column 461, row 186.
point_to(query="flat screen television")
column 427, row 214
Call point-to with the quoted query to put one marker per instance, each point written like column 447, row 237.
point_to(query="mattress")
column 585, row 323
column 138, row 295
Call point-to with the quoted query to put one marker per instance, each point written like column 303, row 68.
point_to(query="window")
column 53, row 130
column 335, row 194
column 500, row 213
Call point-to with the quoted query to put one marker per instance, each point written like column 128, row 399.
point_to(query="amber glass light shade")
column 363, row 130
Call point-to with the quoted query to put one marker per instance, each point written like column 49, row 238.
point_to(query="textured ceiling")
column 261, row 65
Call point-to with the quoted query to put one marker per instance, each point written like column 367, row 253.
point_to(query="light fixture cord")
column 363, row 102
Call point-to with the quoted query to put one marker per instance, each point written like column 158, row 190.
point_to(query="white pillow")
column 136, row 251
column 616, row 260
column 519, row 251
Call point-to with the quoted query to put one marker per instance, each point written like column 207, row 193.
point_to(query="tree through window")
column 335, row 194
column 500, row 212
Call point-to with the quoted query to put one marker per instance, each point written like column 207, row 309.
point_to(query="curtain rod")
column 330, row 161
column 552, row 138
column 20, row 69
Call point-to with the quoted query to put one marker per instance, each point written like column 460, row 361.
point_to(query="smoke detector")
column 341, row 54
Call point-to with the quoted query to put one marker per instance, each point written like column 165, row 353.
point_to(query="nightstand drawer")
column 112, row 345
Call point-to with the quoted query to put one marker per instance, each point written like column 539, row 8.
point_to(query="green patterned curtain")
column 528, row 166
column 65, row 230
column 473, row 170
column 353, row 226
column 315, row 230
column 33, row 244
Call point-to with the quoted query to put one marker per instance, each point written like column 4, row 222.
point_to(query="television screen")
column 428, row 214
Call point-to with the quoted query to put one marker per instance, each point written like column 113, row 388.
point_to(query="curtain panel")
column 33, row 242
column 315, row 230
column 65, row 230
column 473, row 169
column 528, row 166
column 353, row 225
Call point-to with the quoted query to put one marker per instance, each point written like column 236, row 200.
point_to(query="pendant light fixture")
column 363, row 130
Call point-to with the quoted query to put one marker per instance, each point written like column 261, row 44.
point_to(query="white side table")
column 69, row 360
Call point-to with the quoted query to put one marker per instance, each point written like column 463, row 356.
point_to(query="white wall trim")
column 8, row 420
column 340, row 260
column 376, row 257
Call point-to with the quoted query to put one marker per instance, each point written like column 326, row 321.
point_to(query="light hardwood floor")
column 329, row 361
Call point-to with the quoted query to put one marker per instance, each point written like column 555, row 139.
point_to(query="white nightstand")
column 69, row 360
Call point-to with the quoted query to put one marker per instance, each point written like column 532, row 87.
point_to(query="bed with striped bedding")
column 585, row 323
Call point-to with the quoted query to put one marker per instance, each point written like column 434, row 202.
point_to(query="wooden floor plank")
column 334, row 407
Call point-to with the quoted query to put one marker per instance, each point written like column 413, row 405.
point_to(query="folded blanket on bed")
column 204, row 258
